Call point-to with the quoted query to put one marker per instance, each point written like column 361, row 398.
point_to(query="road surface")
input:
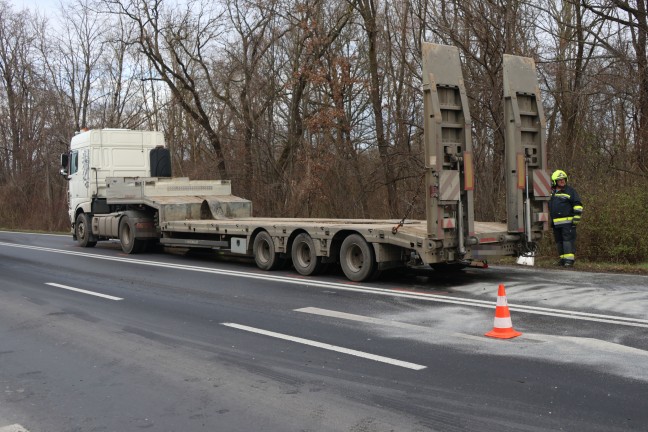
column 96, row 340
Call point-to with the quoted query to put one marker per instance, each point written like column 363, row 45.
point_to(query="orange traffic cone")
column 502, row 326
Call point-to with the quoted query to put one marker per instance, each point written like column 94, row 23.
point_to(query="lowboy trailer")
column 120, row 187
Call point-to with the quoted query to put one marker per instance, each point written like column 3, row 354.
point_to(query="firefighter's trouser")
column 565, row 236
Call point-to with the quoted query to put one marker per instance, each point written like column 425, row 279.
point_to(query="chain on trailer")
column 408, row 212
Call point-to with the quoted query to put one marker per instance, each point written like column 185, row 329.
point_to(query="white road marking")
column 378, row 321
column 360, row 318
column 329, row 347
column 92, row 293
column 562, row 313
column 13, row 428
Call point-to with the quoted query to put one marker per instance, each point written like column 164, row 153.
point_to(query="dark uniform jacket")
column 565, row 206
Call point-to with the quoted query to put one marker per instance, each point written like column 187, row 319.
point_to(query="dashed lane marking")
column 92, row 293
column 326, row 346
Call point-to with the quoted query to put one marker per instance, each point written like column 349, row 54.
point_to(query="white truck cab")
column 96, row 155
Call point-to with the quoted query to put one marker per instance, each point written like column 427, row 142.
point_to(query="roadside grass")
column 33, row 231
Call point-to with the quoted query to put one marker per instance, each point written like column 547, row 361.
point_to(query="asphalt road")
column 95, row 340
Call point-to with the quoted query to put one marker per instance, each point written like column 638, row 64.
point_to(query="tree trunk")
column 367, row 9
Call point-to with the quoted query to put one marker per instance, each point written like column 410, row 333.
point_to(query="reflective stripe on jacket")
column 565, row 206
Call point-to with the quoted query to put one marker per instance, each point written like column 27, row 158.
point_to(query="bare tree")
column 250, row 88
column 402, row 91
column 122, row 93
column 484, row 31
column 371, row 23
column 570, row 68
column 27, row 117
column 633, row 17
column 313, row 28
column 72, row 55
column 11, row 42
column 180, row 44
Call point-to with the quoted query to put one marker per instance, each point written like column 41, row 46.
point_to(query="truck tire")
column 304, row 256
column 83, row 231
column 129, row 243
column 265, row 256
column 357, row 258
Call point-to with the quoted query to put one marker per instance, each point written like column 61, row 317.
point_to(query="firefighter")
column 565, row 209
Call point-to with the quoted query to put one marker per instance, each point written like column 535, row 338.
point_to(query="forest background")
column 313, row 107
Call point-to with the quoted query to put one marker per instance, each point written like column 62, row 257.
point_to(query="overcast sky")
column 48, row 6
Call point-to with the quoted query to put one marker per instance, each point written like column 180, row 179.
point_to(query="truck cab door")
column 79, row 178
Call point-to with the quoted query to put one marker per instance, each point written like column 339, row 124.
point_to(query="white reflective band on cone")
column 501, row 301
column 502, row 322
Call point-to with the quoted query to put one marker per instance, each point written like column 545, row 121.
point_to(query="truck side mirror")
column 65, row 159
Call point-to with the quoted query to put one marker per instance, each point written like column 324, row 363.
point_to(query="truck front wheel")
column 83, row 231
column 357, row 258
column 129, row 243
column 265, row 256
column 304, row 256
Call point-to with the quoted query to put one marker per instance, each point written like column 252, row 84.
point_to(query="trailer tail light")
column 469, row 172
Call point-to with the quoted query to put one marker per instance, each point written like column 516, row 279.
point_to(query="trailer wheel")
column 83, row 230
column 357, row 258
column 129, row 243
column 304, row 256
column 265, row 256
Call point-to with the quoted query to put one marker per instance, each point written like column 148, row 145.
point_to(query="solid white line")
column 326, row 346
column 575, row 314
column 92, row 293
column 567, row 314
column 585, row 317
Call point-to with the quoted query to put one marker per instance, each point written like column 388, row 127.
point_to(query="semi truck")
column 120, row 186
